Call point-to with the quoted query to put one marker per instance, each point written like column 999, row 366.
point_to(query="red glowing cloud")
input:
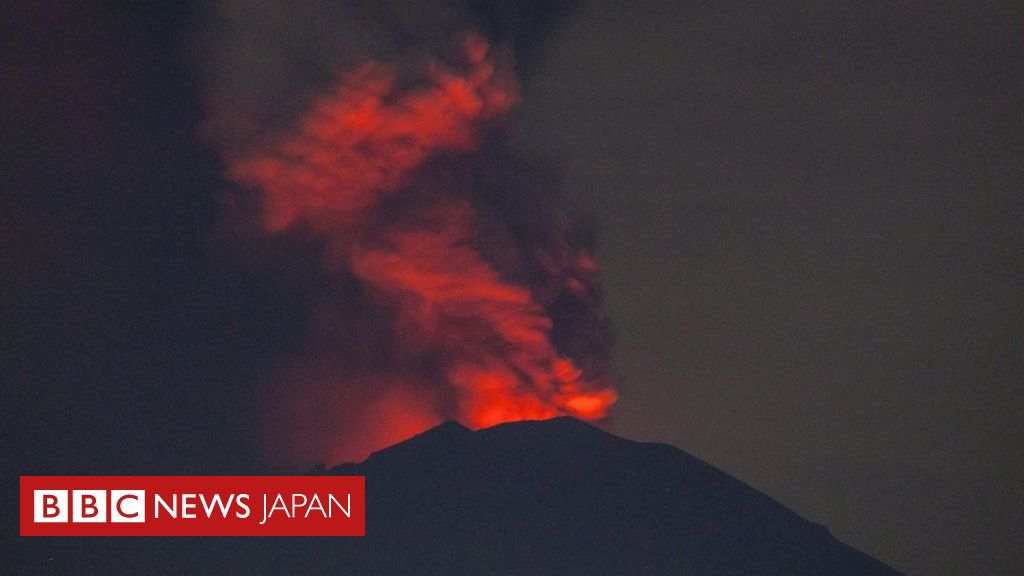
column 354, row 173
column 364, row 141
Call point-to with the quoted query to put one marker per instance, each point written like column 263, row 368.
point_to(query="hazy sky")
column 808, row 215
column 812, row 234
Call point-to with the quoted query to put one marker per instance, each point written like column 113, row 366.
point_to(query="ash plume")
column 456, row 288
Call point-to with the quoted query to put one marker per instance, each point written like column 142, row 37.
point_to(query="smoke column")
column 456, row 287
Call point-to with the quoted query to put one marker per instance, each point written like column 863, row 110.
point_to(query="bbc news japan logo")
column 193, row 506
column 88, row 506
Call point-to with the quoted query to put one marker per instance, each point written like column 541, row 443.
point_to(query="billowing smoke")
column 456, row 287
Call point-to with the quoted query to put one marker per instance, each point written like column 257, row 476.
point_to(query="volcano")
column 563, row 497
column 557, row 497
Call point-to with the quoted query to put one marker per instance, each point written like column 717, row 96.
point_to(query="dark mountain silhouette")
column 563, row 497
column 555, row 497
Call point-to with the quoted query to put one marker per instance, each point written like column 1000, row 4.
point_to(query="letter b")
column 50, row 505
column 89, row 506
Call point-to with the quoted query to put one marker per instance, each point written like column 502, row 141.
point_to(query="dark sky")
column 809, row 219
column 812, row 232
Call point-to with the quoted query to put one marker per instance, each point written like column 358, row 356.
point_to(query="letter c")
column 122, row 499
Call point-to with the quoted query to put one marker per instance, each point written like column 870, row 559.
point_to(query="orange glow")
column 364, row 144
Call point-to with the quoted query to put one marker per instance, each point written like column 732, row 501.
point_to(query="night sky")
column 808, row 219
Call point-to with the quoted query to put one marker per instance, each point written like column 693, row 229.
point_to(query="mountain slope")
column 562, row 497
column 555, row 497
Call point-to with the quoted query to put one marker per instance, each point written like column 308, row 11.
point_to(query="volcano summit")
column 531, row 497
column 563, row 497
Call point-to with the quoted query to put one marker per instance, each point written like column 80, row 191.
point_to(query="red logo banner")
column 193, row 506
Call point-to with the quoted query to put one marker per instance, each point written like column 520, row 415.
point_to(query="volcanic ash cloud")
column 459, row 290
